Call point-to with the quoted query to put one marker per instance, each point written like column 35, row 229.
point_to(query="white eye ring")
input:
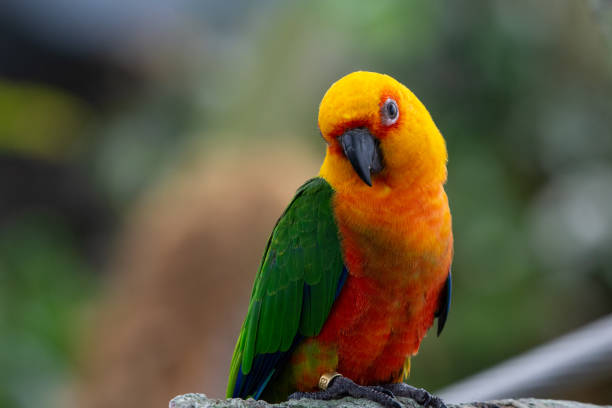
column 389, row 112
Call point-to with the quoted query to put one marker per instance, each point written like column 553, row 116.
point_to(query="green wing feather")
column 297, row 279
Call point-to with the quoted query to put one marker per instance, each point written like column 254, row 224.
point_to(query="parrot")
column 358, row 266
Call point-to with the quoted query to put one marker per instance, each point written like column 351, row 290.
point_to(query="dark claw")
column 342, row 387
column 421, row 396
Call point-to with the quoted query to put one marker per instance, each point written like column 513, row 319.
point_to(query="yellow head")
column 379, row 134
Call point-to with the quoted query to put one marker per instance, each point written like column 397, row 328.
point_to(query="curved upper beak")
column 361, row 148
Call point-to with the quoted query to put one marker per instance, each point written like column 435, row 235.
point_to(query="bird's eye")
column 389, row 112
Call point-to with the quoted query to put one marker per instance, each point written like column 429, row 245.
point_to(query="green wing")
column 295, row 287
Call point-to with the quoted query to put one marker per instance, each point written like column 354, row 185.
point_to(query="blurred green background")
column 105, row 106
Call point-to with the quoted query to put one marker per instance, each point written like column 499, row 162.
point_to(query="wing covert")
column 298, row 280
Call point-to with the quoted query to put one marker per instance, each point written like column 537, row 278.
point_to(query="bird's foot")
column 421, row 396
column 335, row 386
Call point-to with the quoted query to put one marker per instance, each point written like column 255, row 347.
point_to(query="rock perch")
column 201, row 401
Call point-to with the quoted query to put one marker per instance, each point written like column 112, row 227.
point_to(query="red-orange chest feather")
column 397, row 246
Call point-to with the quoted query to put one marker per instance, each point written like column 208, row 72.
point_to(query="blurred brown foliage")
column 179, row 286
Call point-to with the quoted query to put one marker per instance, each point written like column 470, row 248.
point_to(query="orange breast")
column 397, row 246
column 398, row 249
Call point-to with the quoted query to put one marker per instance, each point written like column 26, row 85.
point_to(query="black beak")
column 363, row 152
